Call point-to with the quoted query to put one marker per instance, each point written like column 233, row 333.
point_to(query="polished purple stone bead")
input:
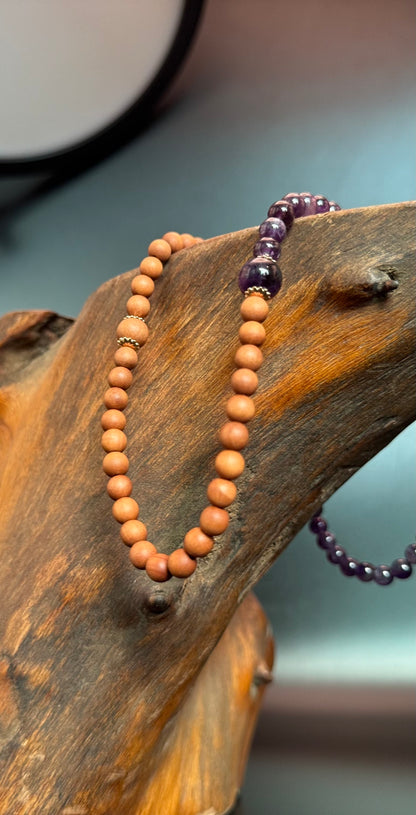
column 326, row 540
column 336, row 554
column 297, row 202
column 349, row 566
column 273, row 228
column 317, row 524
column 309, row 201
column 267, row 247
column 365, row 571
column 262, row 273
column 410, row 553
column 283, row 210
column 401, row 568
column 334, row 207
column 383, row 575
column 321, row 204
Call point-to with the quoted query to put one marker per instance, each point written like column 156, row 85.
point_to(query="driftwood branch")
column 98, row 664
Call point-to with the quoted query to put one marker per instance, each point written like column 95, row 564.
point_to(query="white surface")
column 68, row 69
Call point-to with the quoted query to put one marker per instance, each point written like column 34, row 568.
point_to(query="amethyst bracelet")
column 262, row 274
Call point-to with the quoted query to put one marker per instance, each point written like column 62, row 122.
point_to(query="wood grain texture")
column 96, row 661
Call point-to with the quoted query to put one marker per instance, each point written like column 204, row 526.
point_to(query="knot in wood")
column 158, row 601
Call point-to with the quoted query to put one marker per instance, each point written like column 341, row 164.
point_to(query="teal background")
column 274, row 97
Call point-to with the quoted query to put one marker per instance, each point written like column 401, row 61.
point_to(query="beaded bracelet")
column 259, row 280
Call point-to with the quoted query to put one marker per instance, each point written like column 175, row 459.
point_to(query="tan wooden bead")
column 252, row 333
column 254, row 308
column 113, row 418
column 119, row 486
column 152, row 267
column 138, row 305
column 221, row 492
column 188, row 239
column 140, row 553
column 113, row 439
column 214, row 520
column 180, row 564
column 197, row 543
column 174, row 240
column 125, row 509
column 136, row 329
column 229, row 464
column 249, row 356
column 143, row 284
column 240, row 408
column 115, row 463
column 160, row 249
column 115, row 398
column 157, row 568
column 126, row 357
column 133, row 531
column 234, row 435
column 244, row 380
column 120, row 377
column 198, row 240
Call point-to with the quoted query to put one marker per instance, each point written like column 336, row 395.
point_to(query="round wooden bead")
column 244, row 380
column 138, row 305
column 254, row 308
column 119, row 486
column 143, row 284
column 248, row 356
column 157, row 568
column 174, row 240
column 115, row 398
column 152, row 267
column 252, row 333
column 140, row 553
column 213, row 520
column 120, row 377
column 125, row 509
column 113, row 418
column 113, row 439
column 221, row 492
column 136, row 329
column 115, row 463
column 133, row 531
column 234, row 435
column 240, row 408
column 160, row 249
column 197, row 543
column 229, row 464
column 180, row 564
column 188, row 239
column 126, row 357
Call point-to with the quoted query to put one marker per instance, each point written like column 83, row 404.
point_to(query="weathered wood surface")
column 93, row 678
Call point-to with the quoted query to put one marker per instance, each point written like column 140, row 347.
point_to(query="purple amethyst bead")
column 334, row 207
column 410, row 553
column 365, row 571
column 336, row 554
column 297, row 202
column 383, row 575
column 309, row 201
column 273, row 228
column 283, row 210
column 267, row 247
column 321, row 204
column 317, row 524
column 326, row 540
column 401, row 568
column 349, row 566
column 260, row 272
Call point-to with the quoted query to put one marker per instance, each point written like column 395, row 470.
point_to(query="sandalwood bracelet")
column 259, row 280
